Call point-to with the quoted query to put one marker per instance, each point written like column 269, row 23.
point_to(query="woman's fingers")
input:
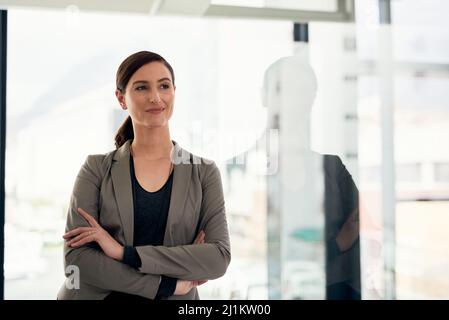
column 81, row 236
column 76, row 231
column 184, row 286
column 200, row 237
column 91, row 220
column 197, row 238
column 203, row 236
column 83, row 241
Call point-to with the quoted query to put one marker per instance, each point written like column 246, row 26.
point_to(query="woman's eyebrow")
column 163, row 79
column 139, row 81
column 145, row 81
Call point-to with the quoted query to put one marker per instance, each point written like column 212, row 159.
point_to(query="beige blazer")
column 103, row 189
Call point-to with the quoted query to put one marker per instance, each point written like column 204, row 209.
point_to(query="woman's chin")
column 155, row 124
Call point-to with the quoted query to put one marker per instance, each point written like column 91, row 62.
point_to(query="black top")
column 150, row 220
column 150, row 211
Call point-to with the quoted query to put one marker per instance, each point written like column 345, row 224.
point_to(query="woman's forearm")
column 189, row 262
column 101, row 271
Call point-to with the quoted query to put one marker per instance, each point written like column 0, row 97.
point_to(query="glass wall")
column 275, row 115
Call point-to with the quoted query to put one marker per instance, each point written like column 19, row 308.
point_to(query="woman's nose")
column 154, row 98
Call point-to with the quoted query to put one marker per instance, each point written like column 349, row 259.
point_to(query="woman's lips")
column 156, row 110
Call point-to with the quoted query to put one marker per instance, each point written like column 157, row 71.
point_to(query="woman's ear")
column 121, row 99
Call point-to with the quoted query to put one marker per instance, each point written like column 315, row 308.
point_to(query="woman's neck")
column 152, row 144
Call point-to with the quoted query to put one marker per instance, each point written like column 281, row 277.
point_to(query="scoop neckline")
column 138, row 183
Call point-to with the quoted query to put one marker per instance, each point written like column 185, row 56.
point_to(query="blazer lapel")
column 182, row 173
column 121, row 179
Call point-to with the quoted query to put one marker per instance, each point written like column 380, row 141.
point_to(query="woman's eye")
column 140, row 88
column 165, row 86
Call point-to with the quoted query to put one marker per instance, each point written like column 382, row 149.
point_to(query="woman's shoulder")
column 99, row 163
column 101, row 158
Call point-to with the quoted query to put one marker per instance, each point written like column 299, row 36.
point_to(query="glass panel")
column 420, row 35
column 420, row 99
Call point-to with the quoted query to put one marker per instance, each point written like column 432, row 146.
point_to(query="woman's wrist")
column 120, row 253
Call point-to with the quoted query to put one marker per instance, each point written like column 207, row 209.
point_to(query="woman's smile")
column 155, row 110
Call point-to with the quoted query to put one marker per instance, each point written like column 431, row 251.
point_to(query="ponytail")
column 124, row 133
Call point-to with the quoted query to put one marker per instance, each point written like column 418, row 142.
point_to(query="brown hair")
column 125, row 71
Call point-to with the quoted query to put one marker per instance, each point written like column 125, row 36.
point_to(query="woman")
column 146, row 220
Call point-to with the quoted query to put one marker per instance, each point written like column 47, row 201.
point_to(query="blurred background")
column 381, row 105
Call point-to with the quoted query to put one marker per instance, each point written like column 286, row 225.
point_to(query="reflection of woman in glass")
column 290, row 87
column 146, row 220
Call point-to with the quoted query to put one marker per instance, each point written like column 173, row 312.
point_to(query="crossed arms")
column 205, row 261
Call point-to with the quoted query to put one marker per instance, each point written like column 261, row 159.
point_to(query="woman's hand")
column 82, row 235
column 200, row 238
column 184, row 286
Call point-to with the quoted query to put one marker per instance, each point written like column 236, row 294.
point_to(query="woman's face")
column 149, row 96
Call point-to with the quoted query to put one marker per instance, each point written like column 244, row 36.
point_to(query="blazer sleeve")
column 206, row 261
column 95, row 267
